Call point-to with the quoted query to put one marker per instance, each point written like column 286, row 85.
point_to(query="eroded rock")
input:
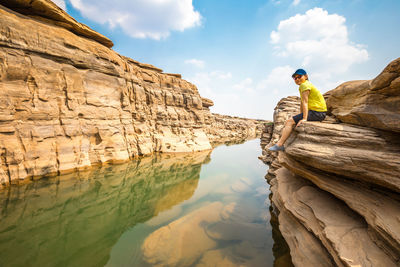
column 381, row 211
column 188, row 236
column 342, row 232
column 344, row 180
column 374, row 103
column 359, row 153
column 69, row 102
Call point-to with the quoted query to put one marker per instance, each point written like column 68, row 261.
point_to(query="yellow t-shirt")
column 315, row 99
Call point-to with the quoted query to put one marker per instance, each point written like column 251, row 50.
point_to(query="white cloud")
column 319, row 40
column 296, row 2
column 276, row 2
column 316, row 41
column 195, row 62
column 245, row 86
column 229, row 97
column 60, row 4
column 278, row 82
column 153, row 19
column 221, row 75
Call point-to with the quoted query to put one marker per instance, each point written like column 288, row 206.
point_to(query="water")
column 201, row 209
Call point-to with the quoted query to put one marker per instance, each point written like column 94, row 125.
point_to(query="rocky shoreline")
column 68, row 101
column 336, row 187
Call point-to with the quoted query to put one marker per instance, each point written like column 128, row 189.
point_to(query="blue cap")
column 299, row 72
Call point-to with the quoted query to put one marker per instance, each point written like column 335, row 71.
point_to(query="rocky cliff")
column 68, row 101
column 336, row 187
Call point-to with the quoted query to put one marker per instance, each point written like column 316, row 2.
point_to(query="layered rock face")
column 67, row 101
column 226, row 129
column 337, row 192
column 285, row 109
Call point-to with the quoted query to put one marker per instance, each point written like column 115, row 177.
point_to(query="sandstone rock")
column 69, row 102
column 47, row 11
column 380, row 211
column 374, row 103
column 240, row 212
column 188, row 236
column 225, row 129
column 207, row 102
column 285, row 109
column 305, row 248
column 266, row 135
column 359, row 153
column 352, row 160
column 341, row 231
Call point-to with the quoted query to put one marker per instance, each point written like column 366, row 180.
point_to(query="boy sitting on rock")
column 313, row 107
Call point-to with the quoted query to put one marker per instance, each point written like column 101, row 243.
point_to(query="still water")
column 202, row 209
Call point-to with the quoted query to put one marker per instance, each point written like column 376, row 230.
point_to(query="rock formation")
column 227, row 129
column 285, row 109
column 67, row 101
column 337, row 186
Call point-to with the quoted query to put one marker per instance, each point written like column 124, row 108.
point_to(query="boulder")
column 47, row 11
column 371, row 103
column 188, row 236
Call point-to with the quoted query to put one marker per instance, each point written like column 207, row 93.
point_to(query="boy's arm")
column 304, row 106
column 304, row 103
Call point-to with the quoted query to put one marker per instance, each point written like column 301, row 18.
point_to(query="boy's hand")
column 300, row 122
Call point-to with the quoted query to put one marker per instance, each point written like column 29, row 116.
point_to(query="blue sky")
column 241, row 54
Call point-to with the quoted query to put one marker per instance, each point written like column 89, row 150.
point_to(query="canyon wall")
column 68, row 101
column 336, row 186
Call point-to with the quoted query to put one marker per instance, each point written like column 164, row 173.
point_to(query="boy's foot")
column 276, row 148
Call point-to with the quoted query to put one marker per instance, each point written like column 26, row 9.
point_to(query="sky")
column 241, row 54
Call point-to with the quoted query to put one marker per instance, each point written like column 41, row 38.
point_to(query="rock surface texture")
column 284, row 110
column 67, row 101
column 337, row 185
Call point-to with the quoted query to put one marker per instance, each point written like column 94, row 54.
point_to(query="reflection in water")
column 75, row 220
column 165, row 210
column 280, row 249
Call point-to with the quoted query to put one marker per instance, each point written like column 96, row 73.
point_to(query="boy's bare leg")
column 286, row 131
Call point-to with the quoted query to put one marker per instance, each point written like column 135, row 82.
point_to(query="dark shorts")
column 312, row 116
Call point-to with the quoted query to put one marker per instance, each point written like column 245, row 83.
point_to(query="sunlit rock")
column 69, row 102
column 188, row 236
column 381, row 211
column 374, row 103
column 240, row 212
column 341, row 177
column 342, row 232
column 359, row 153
